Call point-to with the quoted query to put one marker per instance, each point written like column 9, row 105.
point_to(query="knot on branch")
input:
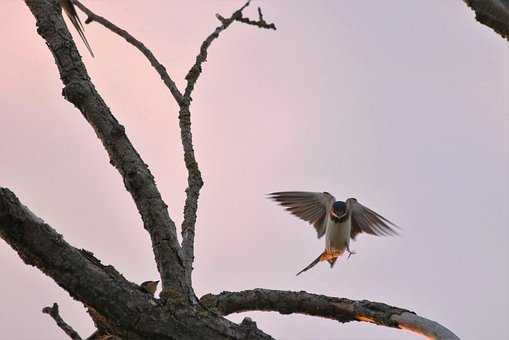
column 248, row 323
column 76, row 92
column 369, row 311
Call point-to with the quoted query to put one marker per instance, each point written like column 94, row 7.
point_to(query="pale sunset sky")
column 401, row 104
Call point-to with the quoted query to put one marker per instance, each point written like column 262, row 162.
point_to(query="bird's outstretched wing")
column 312, row 207
column 69, row 9
column 365, row 220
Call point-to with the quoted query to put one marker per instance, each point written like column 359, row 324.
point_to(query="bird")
column 149, row 287
column 339, row 221
column 70, row 10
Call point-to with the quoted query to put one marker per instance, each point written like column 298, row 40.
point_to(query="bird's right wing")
column 312, row 207
column 365, row 220
column 69, row 9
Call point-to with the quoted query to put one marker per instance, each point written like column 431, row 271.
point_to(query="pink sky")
column 402, row 104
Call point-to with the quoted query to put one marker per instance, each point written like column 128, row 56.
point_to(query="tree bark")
column 133, row 314
column 339, row 309
column 138, row 180
column 492, row 13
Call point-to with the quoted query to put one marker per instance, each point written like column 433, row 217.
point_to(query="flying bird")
column 70, row 10
column 339, row 221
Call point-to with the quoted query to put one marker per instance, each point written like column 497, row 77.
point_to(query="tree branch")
column 138, row 180
column 76, row 271
column 339, row 309
column 195, row 71
column 492, row 13
column 118, row 306
column 194, row 179
column 53, row 312
column 160, row 69
column 106, row 292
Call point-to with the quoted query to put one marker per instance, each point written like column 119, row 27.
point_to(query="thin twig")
column 194, row 178
column 196, row 69
column 53, row 312
column 168, row 81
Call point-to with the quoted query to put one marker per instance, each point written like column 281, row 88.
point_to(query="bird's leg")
column 350, row 253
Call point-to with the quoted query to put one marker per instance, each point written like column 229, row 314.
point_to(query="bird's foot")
column 350, row 253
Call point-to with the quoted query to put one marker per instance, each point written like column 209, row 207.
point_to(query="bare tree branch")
column 196, row 69
column 163, row 73
column 339, row 309
column 138, row 179
column 261, row 23
column 53, row 312
column 122, row 305
column 117, row 306
column 492, row 13
column 194, row 178
column 76, row 271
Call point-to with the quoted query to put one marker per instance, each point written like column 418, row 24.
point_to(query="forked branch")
column 77, row 271
column 196, row 69
column 107, row 292
column 53, row 312
column 194, row 178
column 161, row 70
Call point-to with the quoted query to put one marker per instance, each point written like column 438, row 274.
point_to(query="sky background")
column 402, row 104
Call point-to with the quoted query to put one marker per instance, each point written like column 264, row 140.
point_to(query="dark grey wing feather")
column 312, row 207
column 311, row 265
column 70, row 10
column 365, row 220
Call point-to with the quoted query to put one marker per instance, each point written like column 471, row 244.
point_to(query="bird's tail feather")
column 312, row 264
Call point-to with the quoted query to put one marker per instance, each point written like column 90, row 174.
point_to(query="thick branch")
column 138, row 180
column 53, row 312
column 123, row 308
column 339, row 309
column 492, row 13
column 76, row 271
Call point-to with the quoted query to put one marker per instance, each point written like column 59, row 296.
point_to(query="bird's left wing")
column 69, row 9
column 312, row 207
column 365, row 220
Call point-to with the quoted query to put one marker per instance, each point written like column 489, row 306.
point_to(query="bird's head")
column 149, row 286
column 339, row 209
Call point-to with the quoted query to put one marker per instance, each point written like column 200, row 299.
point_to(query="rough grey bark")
column 339, row 309
column 131, row 312
column 194, row 180
column 118, row 307
column 138, row 180
column 492, row 13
